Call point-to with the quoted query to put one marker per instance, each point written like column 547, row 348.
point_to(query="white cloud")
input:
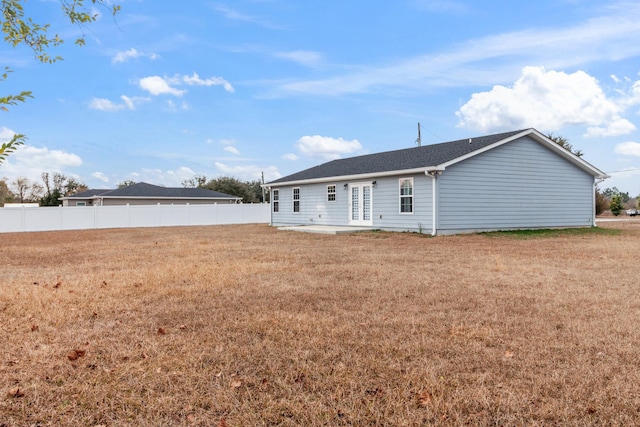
column 326, row 147
column 167, row 178
column 6, row 134
column 30, row 162
column 290, row 156
column 195, row 80
column 248, row 172
column 156, row 85
column 231, row 149
column 173, row 107
column 100, row 176
column 103, row 104
column 628, row 149
column 615, row 128
column 546, row 100
column 601, row 39
column 234, row 15
column 303, row 57
column 124, row 56
column 128, row 103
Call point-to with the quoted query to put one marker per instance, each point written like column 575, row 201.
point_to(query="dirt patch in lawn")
column 250, row 326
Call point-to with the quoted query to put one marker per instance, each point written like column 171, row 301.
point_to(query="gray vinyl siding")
column 386, row 204
column 314, row 207
column 385, row 207
column 521, row 184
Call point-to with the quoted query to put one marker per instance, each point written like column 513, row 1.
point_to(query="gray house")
column 148, row 194
column 512, row 180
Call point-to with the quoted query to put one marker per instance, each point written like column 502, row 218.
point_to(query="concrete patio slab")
column 324, row 229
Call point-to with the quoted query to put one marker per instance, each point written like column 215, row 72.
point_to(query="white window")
column 276, row 200
column 81, row 203
column 406, row 195
column 296, row 200
column 331, row 193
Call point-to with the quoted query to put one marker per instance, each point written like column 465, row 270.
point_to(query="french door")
column 360, row 204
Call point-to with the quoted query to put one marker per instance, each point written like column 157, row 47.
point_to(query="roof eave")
column 355, row 177
column 162, row 197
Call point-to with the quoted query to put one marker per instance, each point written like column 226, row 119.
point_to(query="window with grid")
column 296, row 200
column 276, row 200
column 331, row 193
column 406, row 195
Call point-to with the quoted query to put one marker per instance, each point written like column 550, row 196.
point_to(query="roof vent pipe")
column 469, row 140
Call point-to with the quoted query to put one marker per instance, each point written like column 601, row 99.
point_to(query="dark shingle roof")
column 142, row 189
column 405, row 159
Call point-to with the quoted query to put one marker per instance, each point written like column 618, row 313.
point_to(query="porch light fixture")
column 374, row 183
column 346, row 186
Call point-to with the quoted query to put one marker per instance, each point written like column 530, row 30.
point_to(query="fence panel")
column 81, row 218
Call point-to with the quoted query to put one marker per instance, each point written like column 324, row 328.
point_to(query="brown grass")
column 250, row 326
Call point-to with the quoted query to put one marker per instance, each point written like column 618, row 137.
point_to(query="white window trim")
column 276, row 199
column 400, row 196
column 81, row 203
column 335, row 193
column 293, row 200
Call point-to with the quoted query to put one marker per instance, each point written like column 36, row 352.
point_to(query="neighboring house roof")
column 422, row 159
column 142, row 190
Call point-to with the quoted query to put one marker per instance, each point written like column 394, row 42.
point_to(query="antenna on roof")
column 419, row 140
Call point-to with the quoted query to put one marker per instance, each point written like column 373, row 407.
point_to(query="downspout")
column 434, row 200
column 596, row 181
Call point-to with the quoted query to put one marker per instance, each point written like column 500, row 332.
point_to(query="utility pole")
column 264, row 200
column 419, row 140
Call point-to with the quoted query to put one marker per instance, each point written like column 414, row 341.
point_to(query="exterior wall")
column 521, row 184
column 386, row 205
column 385, row 208
column 314, row 208
column 74, row 202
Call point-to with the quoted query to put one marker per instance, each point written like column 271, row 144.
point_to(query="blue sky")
column 172, row 89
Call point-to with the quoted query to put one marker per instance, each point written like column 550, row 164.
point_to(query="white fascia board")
column 542, row 139
column 363, row 176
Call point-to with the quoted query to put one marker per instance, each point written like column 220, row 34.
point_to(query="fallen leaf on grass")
column 34, row 328
column 183, row 326
column 15, row 392
column 508, row 354
column 236, row 384
column 424, row 398
column 76, row 354
column 223, row 423
column 57, row 285
column 161, row 331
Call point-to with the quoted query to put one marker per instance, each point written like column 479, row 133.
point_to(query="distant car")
column 632, row 212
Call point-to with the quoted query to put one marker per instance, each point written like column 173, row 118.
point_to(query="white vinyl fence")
column 88, row 217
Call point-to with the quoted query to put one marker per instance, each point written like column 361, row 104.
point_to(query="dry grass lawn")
column 250, row 326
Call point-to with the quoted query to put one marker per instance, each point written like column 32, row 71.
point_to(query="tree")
column 198, row 181
column 610, row 192
column 25, row 190
column 19, row 29
column 616, row 204
column 126, row 183
column 602, row 203
column 564, row 143
column 6, row 195
column 58, row 185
